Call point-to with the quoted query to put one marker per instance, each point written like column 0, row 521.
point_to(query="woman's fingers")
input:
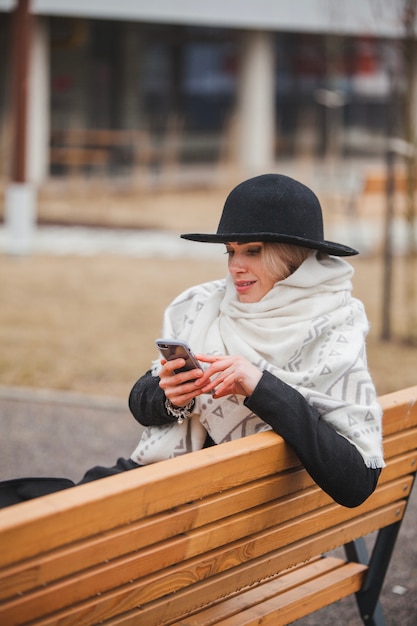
column 224, row 375
column 179, row 387
column 229, row 374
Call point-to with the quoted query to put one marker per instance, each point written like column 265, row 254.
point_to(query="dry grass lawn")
column 87, row 324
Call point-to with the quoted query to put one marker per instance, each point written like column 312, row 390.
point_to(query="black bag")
column 22, row 489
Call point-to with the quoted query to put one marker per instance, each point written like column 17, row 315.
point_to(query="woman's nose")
column 236, row 264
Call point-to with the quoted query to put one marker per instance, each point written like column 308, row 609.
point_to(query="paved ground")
column 63, row 434
column 48, row 433
column 84, row 240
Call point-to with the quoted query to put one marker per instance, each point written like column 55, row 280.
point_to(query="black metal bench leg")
column 368, row 597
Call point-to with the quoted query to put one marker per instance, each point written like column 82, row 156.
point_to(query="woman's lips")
column 244, row 285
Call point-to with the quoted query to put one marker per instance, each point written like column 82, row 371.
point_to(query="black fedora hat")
column 273, row 207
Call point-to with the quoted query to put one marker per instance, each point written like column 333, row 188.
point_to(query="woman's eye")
column 247, row 252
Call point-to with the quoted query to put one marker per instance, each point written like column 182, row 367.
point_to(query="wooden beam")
column 21, row 43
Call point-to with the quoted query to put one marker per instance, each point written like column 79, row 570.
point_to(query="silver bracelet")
column 181, row 412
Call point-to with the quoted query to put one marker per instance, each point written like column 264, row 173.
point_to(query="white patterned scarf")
column 308, row 331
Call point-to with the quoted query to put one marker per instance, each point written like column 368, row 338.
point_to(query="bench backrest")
column 156, row 543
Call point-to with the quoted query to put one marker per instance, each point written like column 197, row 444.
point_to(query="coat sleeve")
column 147, row 402
column 330, row 459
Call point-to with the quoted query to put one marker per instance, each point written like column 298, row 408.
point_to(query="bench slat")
column 269, row 564
column 399, row 443
column 292, row 605
column 283, row 593
column 401, row 465
column 170, row 609
column 247, row 597
column 400, row 410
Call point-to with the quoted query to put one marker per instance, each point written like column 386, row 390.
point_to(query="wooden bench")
column 232, row 535
column 376, row 182
column 101, row 149
column 77, row 148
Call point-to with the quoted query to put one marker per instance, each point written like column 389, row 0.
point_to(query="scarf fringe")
column 375, row 462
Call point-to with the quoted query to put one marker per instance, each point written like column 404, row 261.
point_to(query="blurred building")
column 119, row 85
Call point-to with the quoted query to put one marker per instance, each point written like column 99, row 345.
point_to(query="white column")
column 19, row 217
column 256, row 106
column 37, row 156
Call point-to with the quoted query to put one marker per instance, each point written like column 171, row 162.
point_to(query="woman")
column 282, row 343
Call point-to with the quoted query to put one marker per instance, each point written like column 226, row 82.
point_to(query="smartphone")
column 172, row 349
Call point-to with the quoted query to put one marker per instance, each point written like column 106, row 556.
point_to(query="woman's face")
column 247, row 268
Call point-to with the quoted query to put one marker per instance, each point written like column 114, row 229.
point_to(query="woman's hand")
column 224, row 376
column 179, row 388
column 227, row 375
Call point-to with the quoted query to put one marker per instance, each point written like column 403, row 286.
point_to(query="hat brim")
column 330, row 247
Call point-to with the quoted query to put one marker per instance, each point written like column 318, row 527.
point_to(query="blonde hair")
column 282, row 259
